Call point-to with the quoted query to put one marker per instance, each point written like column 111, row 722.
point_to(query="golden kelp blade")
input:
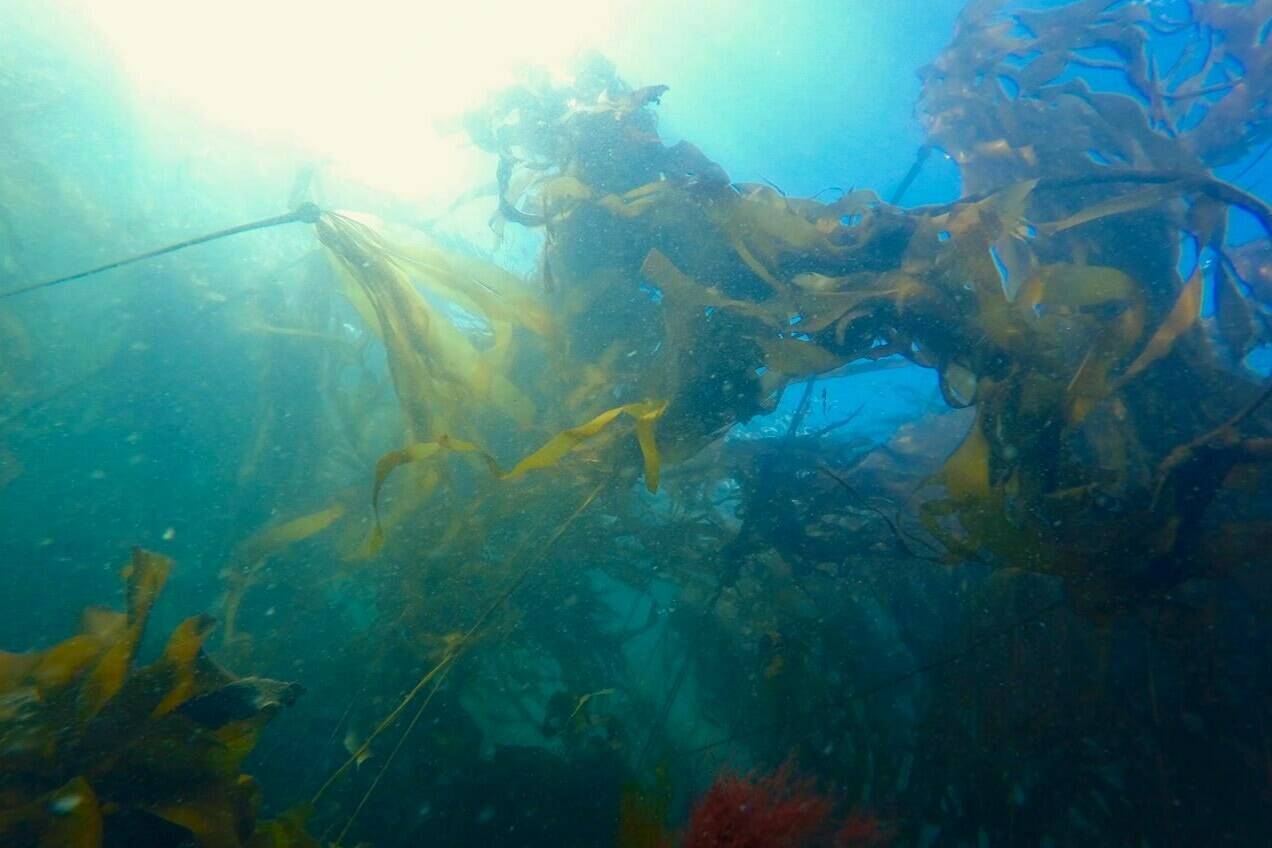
column 789, row 358
column 413, row 453
column 559, row 446
column 215, row 816
column 1120, row 205
column 583, row 699
column 645, row 421
column 60, row 665
column 252, row 554
column 966, row 473
column 645, row 414
column 385, row 466
column 477, row 286
column 425, row 361
column 559, row 195
column 272, row 539
column 57, row 667
column 816, row 300
column 1182, row 315
column 146, row 576
column 442, row 379
column 180, row 654
column 689, row 293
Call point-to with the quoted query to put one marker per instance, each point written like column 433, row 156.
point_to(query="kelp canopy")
column 556, row 586
column 1051, row 298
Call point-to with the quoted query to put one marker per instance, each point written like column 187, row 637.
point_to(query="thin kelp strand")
column 305, row 214
column 458, row 648
column 386, row 723
column 801, row 409
column 920, row 158
column 892, row 525
column 415, row 719
column 843, row 422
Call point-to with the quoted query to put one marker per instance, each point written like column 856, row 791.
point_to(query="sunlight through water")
column 375, row 86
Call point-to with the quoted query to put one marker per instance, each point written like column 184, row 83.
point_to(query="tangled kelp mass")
column 544, row 578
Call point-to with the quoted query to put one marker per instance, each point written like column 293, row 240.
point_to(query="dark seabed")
column 636, row 424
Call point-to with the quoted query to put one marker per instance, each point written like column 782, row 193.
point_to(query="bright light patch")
column 369, row 84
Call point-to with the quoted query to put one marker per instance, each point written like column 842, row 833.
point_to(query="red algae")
column 777, row 811
column 863, row 829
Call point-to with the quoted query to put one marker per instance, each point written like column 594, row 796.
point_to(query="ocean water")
column 587, row 424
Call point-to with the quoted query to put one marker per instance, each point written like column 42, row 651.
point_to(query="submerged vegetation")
column 98, row 751
column 543, row 589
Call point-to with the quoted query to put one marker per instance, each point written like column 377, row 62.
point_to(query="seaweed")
column 100, row 751
column 1003, row 293
column 777, row 809
column 795, row 589
column 305, row 213
column 250, row 558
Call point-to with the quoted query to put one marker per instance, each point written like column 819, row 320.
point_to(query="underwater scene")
column 828, row 424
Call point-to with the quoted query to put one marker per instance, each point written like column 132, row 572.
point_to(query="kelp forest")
column 581, row 526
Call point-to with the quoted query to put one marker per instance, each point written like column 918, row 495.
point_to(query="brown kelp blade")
column 1182, row 316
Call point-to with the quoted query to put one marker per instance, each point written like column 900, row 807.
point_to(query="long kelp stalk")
column 305, row 214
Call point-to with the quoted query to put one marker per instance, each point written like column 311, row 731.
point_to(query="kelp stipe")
column 306, row 213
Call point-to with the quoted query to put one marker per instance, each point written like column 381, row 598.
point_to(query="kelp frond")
column 91, row 743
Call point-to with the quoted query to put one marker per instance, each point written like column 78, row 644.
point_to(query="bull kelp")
column 645, row 506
